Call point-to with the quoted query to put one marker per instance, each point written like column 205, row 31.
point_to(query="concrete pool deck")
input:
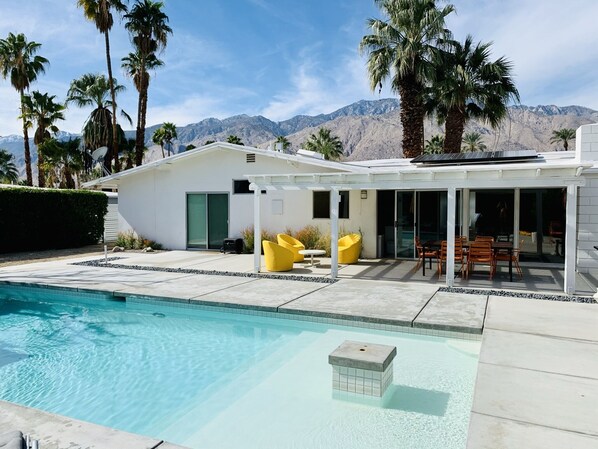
column 537, row 382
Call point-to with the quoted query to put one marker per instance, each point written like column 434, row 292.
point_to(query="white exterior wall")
column 586, row 147
column 153, row 202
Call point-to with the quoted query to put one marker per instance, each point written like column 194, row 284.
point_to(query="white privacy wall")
column 153, row 202
column 586, row 147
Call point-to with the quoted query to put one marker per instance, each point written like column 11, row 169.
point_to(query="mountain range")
column 367, row 129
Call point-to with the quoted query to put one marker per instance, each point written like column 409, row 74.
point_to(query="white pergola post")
column 257, row 231
column 516, row 216
column 570, row 239
column 465, row 213
column 334, row 202
column 450, row 236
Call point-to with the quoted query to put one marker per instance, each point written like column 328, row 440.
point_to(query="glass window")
column 322, row 205
column 241, row 186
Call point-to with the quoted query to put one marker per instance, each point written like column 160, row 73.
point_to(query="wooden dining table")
column 496, row 246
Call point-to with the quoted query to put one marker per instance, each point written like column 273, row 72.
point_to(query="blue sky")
column 280, row 58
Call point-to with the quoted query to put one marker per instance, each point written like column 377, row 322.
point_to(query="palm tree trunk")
column 114, row 148
column 41, row 175
column 566, row 144
column 142, row 116
column 454, row 127
column 68, row 177
column 139, row 136
column 27, row 150
column 412, row 117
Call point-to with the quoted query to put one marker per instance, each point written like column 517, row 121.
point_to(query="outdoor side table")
column 312, row 253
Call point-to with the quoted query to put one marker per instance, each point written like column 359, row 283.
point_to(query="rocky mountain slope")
column 368, row 129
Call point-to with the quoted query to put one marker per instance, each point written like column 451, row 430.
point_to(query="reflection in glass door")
column 405, row 224
column 207, row 220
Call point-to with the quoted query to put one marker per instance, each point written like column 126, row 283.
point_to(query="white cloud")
column 551, row 44
column 319, row 88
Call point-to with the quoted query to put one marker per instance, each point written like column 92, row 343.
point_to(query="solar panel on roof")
column 475, row 157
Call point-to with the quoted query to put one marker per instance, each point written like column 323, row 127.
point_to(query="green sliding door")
column 207, row 220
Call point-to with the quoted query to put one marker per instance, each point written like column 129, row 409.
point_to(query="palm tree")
column 62, row 162
column 473, row 142
column 323, row 142
column 8, row 170
column 563, row 135
column 42, row 111
column 233, row 139
column 158, row 139
column 286, row 144
column 170, row 134
column 100, row 13
column 469, row 85
column 18, row 60
column 95, row 91
column 128, row 153
column 132, row 64
column 434, row 145
column 401, row 49
column 147, row 26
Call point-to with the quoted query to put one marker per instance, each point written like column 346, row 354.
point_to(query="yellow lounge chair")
column 277, row 257
column 349, row 248
column 288, row 242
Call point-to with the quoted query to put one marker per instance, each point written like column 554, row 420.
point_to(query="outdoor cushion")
column 293, row 244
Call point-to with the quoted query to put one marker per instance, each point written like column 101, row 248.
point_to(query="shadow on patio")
column 537, row 277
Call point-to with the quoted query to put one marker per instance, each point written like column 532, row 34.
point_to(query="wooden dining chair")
column 459, row 255
column 484, row 238
column 502, row 256
column 480, row 252
column 423, row 253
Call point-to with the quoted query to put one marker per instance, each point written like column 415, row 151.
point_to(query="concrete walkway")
column 537, row 385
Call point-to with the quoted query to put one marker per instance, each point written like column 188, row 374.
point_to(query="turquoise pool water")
column 222, row 380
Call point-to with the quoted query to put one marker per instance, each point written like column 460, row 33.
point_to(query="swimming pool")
column 207, row 379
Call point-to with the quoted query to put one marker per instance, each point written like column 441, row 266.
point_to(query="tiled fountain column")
column 362, row 368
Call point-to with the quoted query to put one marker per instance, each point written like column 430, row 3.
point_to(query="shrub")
column 39, row 219
column 248, row 239
column 310, row 236
column 130, row 240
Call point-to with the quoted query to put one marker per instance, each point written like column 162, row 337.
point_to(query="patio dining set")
column 484, row 250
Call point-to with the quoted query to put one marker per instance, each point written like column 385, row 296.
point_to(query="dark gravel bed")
column 510, row 294
column 100, row 263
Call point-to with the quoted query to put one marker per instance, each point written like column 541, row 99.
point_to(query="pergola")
column 542, row 173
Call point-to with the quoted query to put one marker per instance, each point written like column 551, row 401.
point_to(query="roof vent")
column 250, row 158
column 312, row 154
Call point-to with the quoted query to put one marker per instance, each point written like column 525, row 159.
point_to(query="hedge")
column 36, row 219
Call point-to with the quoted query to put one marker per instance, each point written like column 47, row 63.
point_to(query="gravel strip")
column 511, row 294
column 100, row 263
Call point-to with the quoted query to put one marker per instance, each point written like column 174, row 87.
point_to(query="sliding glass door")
column 207, row 220
column 405, row 224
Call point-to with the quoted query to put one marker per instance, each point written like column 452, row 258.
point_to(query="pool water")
column 221, row 380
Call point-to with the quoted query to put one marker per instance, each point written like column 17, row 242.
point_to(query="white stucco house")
column 195, row 199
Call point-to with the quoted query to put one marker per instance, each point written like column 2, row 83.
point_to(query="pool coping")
column 411, row 326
